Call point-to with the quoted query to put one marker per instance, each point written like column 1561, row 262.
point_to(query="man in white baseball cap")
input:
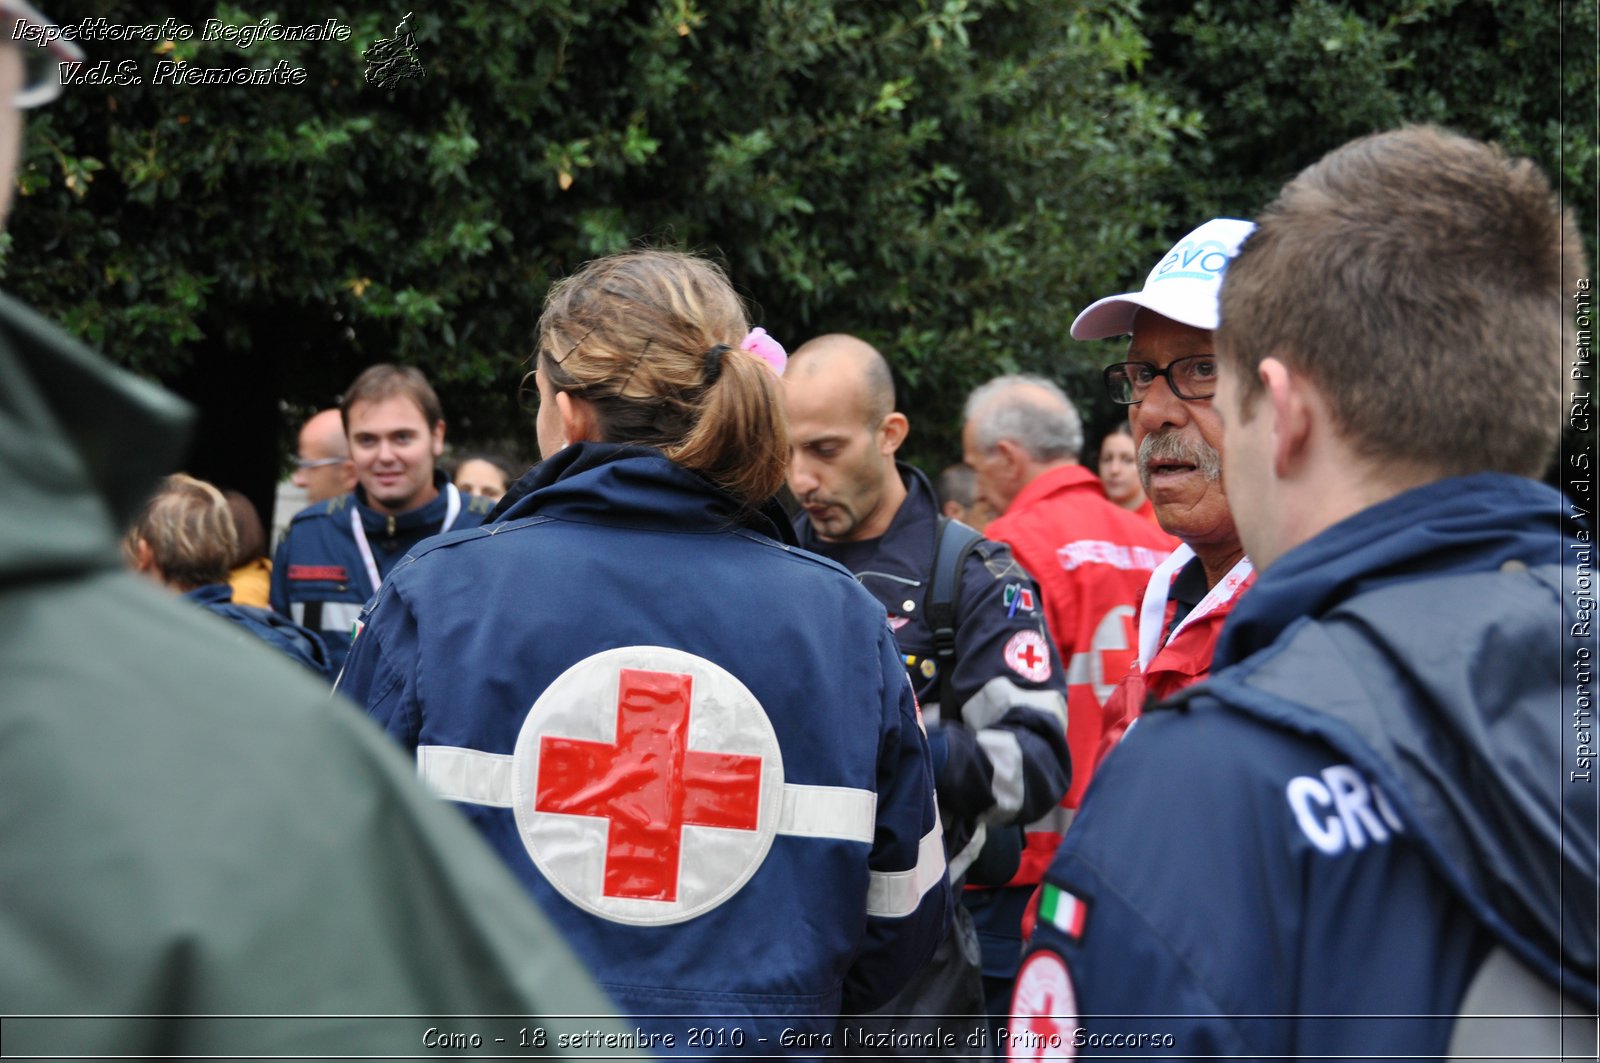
column 1167, row 384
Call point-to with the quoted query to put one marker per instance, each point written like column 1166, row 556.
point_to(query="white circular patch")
column 647, row 784
column 1044, row 1010
column 1027, row 655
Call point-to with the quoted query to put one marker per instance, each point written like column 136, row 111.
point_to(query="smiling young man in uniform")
column 336, row 553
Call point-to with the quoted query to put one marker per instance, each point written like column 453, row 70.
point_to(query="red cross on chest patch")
column 646, row 784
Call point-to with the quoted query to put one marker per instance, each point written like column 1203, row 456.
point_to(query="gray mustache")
column 1174, row 446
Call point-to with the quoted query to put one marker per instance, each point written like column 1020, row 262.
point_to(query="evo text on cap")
column 1184, row 286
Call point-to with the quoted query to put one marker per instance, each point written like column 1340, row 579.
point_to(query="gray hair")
column 1046, row 426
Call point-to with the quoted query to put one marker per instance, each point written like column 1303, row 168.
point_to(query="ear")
column 578, row 421
column 144, row 559
column 1013, row 460
column 437, row 445
column 892, row 432
column 1291, row 411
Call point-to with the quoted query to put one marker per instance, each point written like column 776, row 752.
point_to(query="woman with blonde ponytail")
column 693, row 743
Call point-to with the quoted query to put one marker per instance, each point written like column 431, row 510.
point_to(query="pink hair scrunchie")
column 765, row 348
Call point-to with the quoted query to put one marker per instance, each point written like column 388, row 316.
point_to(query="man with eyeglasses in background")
column 1022, row 437
column 199, row 856
column 1167, row 385
column 322, row 468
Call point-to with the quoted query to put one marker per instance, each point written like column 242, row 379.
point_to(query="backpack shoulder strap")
column 955, row 541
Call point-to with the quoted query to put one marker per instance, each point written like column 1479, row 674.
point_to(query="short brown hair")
column 189, row 528
column 1417, row 277
column 384, row 381
column 650, row 338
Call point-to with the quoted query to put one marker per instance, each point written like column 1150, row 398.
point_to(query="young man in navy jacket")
column 1367, row 826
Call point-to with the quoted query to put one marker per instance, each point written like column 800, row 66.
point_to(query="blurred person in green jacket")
column 200, row 853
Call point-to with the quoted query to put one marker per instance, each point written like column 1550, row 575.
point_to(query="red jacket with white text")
column 1091, row 559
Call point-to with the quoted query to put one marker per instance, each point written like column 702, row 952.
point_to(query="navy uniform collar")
column 427, row 515
column 626, row 484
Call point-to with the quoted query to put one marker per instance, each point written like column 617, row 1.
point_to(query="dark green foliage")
column 952, row 180
column 1278, row 85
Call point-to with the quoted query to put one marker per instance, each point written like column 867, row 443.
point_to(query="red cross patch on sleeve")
column 1028, row 655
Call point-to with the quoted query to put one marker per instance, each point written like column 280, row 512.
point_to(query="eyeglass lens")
column 1194, row 377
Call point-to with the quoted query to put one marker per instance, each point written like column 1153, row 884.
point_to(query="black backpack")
column 1001, row 854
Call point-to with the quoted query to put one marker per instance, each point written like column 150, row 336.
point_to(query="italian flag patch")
column 1063, row 911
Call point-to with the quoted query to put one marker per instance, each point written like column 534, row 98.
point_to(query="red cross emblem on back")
column 648, row 785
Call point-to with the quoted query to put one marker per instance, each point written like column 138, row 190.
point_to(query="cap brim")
column 1111, row 316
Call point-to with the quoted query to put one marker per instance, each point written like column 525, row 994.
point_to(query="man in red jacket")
column 1167, row 384
column 1091, row 559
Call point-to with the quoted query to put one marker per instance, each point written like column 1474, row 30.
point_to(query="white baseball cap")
column 1184, row 285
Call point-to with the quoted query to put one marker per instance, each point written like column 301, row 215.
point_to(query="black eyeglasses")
column 1194, row 377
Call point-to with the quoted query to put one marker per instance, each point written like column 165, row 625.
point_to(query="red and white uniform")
column 1164, row 668
column 1091, row 559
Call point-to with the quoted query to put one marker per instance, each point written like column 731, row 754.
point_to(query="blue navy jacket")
column 694, row 745
column 318, row 577
column 1000, row 750
column 1312, row 853
column 285, row 636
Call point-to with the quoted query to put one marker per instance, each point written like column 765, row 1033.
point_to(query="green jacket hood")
column 82, row 444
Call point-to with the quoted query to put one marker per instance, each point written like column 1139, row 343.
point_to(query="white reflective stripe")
column 894, row 894
column 970, row 852
column 468, row 775
column 1055, row 821
column 340, row 616
column 297, row 613
column 1000, row 694
column 828, row 812
column 1006, row 783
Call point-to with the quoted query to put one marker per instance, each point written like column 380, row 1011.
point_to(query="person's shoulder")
column 1134, row 529
column 167, row 656
column 1178, row 772
column 1200, row 729
column 475, row 508
column 806, row 560
column 993, row 561
column 328, row 509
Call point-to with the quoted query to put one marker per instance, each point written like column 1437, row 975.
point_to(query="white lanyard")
column 1153, row 613
column 452, row 509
